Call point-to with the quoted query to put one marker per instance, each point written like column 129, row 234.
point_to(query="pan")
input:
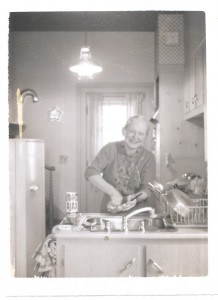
column 177, row 200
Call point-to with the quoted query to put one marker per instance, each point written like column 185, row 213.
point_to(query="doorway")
column 103, row 113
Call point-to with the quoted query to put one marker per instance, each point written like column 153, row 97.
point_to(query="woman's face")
column 135, row 134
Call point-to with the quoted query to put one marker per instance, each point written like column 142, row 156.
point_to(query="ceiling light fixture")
column 86, row 68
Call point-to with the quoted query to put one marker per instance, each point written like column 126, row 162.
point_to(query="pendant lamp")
column 86, row 68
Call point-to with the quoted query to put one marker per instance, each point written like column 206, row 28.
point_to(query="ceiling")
column 85, row 21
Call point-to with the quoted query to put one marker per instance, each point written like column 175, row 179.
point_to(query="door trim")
column 82, row 90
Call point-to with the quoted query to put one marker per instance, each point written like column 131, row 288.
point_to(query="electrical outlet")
column 171, row 38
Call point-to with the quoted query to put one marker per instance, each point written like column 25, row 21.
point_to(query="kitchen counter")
column 82, row 253
column 182, row 232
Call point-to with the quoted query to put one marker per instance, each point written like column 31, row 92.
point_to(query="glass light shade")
column 85, row 68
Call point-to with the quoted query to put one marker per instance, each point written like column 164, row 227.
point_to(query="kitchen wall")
column 194, row 31
column 181, row 143
column 40, row 61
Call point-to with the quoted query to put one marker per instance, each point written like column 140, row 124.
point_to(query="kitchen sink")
column 115, row 223
column 103, row 222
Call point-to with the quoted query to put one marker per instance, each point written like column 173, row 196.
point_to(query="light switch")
column 63, row 159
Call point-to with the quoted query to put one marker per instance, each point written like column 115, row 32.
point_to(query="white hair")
column 137, row 118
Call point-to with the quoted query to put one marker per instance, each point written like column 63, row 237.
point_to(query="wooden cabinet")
column 194, row 83
column 176, row 260
column 131, row 257
column 94, row 260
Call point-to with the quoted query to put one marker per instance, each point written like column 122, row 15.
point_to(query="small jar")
column 72, row 207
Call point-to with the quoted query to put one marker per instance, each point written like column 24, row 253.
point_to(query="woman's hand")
column 114, row 205
column 116, row 199
column 129, row 205
column 140, row 196
column 114, row 208
column 124, row 207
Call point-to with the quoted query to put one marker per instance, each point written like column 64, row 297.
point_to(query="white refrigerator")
column 27, row 203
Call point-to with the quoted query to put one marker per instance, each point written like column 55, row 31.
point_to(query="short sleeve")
column 101, row 161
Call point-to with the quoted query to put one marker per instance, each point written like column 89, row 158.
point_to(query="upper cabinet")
column 195, row 62
column 194, row 83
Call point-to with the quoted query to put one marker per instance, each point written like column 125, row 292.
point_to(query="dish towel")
column 45, row 256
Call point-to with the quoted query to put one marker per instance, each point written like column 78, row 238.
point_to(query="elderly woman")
column 123, row 169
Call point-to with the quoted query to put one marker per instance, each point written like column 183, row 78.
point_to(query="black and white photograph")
column 108, row 150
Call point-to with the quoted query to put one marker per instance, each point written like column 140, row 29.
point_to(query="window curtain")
column 95, row 101
column 134, row 104
column 94, row 124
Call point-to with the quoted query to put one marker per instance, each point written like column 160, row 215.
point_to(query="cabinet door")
column 186, row 90
column 101, row 260
column 194, row 83
column 199, row 77
column 35, row 200
column 192, row 102
column 176, row 260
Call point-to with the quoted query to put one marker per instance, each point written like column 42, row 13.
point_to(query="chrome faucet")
column 158, row 187
column 134, row 213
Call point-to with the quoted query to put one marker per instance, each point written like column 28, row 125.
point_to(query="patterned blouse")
column 127, row 173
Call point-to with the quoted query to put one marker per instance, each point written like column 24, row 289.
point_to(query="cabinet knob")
column 128, row 265
column 34, row 188
column 195, row 99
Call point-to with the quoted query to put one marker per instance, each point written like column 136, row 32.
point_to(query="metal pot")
column 176, row 199
column 159, row 222
column 179, row 201
column 153, row 224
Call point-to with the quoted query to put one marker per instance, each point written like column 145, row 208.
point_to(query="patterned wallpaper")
column 170, row 27
column 40, row 61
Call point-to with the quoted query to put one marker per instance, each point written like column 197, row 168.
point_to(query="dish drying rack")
column 197, row 216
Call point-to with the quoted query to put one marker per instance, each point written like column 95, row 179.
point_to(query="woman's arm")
column 115, row 205
column 99, row 182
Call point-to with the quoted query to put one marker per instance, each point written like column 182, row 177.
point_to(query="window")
column 107, row 114
column 114, row 116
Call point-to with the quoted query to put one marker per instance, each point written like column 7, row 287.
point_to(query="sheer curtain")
column 134, row 104
column 100, row 106
column 94, row 124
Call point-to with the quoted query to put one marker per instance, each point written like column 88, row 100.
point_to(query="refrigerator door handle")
column 34, row 188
